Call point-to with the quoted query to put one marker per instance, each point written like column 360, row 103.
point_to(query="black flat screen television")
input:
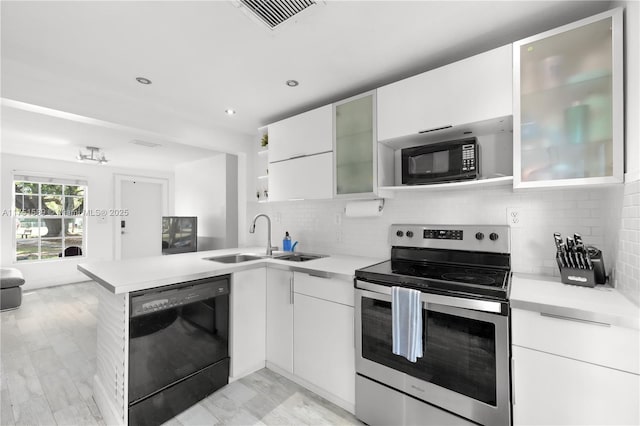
column 179, row 234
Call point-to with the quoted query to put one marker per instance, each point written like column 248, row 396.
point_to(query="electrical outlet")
column 514, row 217
column 338, row 218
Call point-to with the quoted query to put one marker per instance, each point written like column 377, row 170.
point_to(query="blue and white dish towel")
column 406, row 312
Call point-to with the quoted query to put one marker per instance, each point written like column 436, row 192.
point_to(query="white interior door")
column 141, row 232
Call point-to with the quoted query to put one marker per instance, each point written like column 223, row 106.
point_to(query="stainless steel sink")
column 234, row 258
column 298, row 257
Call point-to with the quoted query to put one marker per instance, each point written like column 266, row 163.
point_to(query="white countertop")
column 549, row 295
column 123, row 276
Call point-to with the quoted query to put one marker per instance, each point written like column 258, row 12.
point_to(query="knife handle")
column 557, row 238
column 568, row 259
column 588, row 259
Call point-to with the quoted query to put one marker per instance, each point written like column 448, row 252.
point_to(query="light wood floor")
column 48, row 358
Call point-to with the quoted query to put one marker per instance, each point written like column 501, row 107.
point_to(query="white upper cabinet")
column 304, row 134
column 355, row 147
column 471, row 90
column 568, row 104
column 305, row 178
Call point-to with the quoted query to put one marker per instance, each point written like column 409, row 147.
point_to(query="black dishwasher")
column 178, row 347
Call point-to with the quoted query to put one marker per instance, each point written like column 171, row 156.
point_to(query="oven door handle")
column 429, row 298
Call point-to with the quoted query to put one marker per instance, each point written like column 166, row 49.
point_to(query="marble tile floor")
column 48, row 358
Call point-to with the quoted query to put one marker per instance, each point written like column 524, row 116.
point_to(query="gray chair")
column 10, row 292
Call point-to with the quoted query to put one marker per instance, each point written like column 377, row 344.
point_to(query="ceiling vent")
column 276, row 12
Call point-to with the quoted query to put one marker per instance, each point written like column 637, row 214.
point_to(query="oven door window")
column 459, row 352
column 168, row 345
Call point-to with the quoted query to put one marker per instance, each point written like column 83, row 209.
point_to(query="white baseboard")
column 253, row 369
column 350, row 407
column 107, row 409
column 632, row 176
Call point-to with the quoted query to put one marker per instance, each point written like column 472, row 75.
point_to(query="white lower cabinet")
column 247, row 328
column 551, row 389
column 280, row 319
column 571, row 371
column 324, row 350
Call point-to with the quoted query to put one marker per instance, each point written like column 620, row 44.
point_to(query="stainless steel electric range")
column 463, row 273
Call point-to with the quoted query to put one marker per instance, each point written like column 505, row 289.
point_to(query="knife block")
column 576, row 276
column 581, row 277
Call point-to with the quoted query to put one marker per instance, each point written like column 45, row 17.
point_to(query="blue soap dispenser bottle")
column 286, row 242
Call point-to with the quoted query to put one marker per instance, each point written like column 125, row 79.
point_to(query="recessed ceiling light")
column 143, row 80
column 292, row 83
column 230, row 111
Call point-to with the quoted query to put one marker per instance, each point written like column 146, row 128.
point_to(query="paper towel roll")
column 369, row 208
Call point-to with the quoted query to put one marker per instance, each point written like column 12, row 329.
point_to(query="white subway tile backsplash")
column 628, row 259
column 593, row 213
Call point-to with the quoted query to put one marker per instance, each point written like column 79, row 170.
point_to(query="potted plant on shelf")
column 264, row 142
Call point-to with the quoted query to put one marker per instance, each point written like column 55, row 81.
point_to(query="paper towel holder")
column 365, row 208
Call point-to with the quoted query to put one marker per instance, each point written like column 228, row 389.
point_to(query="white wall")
column 207, row 188
column 99, row 237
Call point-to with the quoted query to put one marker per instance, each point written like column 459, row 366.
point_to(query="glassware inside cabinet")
column 566, row 86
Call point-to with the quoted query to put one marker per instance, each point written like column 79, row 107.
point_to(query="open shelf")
column 389, row 191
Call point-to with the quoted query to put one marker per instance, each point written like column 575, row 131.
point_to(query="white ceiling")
column 69, row 68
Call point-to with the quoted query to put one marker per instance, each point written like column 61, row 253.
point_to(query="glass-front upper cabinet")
column 354, row 148
column 568, row 104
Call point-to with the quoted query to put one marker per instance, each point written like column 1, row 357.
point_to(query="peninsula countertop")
column 128, row 275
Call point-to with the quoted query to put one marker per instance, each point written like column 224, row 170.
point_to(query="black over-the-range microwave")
column 441, row 162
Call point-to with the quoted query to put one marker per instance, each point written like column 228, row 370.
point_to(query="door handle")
column 435, row 129
column 513, row 381
column 585, row 321
column 291, row 290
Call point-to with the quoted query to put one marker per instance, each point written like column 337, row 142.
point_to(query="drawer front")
column 553, row 390
column 597, row 343
column 331, row 289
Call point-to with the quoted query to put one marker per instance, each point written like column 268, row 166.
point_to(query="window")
column 49, row 218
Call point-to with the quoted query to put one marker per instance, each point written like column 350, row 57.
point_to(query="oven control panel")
column 443, row 234
column 487, row 238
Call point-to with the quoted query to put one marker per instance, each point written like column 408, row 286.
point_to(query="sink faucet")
column 252, row 229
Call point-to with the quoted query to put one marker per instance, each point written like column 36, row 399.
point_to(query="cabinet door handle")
column 562, row 317
column 319, row 274
column 513, row 381
column 291, row 290
column 435, row 129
